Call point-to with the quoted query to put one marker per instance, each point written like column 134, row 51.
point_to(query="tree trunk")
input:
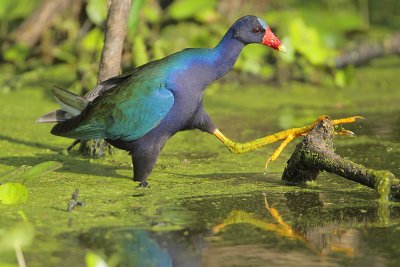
column 110, row 64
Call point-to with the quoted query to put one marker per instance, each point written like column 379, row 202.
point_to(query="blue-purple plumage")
column 140, row 111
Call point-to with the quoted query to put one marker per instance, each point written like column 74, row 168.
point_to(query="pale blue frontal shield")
column 263, row 24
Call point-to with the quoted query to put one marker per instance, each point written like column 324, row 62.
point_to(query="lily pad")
column 13, row 193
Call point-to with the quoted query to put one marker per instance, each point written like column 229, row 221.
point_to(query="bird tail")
column 71, row 106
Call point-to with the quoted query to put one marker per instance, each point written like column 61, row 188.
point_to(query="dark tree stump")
column 317, row 153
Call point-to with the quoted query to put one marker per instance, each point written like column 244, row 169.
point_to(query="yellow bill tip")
column 282, row 49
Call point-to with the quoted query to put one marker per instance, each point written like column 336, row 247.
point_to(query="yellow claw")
column 279, row 150
column 345, row 132
column 347, row 120
column 297, row 132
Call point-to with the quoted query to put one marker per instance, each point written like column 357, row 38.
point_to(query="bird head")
column 251, row 29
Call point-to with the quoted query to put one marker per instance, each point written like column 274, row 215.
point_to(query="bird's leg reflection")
column 337, row 241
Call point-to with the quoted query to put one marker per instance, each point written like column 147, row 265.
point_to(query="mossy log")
column 317, row 153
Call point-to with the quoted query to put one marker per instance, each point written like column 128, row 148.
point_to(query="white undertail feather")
column 71, row 106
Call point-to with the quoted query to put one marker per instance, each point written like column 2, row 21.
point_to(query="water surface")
column 207, row 207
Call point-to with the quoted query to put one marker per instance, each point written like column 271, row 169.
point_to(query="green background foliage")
column 314, row 32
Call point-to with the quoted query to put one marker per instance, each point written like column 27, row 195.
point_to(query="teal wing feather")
column 139, row 113
column 125, row 112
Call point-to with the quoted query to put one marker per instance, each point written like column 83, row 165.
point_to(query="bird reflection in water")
column 322, row 240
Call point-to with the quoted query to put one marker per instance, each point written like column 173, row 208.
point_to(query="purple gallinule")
column 141, row 110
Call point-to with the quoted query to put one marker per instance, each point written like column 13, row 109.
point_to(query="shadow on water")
column 28, row 143
column 295, row 228
column 71, row 164
column 273, row 179
column 254, row 176
column 80, row 165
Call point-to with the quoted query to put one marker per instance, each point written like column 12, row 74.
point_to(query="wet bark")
column 110, row 64
column 317, row 153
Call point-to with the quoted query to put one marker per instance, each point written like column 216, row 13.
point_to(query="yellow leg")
column 287, row 136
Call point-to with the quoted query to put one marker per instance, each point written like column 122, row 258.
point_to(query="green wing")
column 125, row 112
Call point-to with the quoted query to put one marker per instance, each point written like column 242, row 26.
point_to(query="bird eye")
column 257, row 30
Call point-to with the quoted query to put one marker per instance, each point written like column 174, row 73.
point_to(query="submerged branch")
column 317, row 153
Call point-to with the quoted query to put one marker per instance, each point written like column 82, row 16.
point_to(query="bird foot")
column 144, row 184
column 291, row 134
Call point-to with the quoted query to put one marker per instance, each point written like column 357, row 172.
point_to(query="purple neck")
column 226, row 53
